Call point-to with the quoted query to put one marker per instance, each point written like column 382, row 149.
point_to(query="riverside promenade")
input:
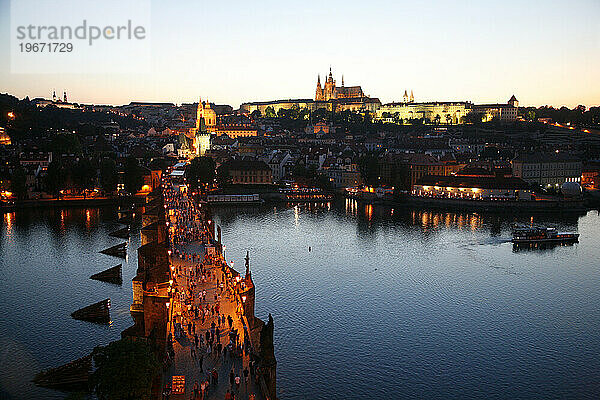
column 211, row 339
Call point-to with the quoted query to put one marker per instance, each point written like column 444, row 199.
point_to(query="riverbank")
column 548, row 206
column 575, row 206
column 71, row 202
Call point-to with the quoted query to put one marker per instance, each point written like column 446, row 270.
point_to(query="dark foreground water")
column 46, row 259
column 389, row 304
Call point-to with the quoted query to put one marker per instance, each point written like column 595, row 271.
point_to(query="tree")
column 282, row 113
column 448, row 119
column 56, row 177
column 200, row 170
column 65, row 143
column 320, row 115
column 83, row 174
column 474, row 117
column 132, row 177
column 124, row 370
column 369, row 168
column 531, row 115
column 18, row 183
column 256, row 114
column 270, row 112
column 108, row 175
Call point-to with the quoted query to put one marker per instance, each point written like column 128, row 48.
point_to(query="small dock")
column 120, row 250
column 72, row 376
column 122, row 233
column 98, row 312
column 111, row 275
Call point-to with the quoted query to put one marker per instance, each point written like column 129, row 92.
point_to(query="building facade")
column 551, row 169
column 472, row 188
column 236, row 130
column 441, row 112
column 504, row 112
column 248, row 172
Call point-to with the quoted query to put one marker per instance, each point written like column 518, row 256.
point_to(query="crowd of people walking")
column 207, row 341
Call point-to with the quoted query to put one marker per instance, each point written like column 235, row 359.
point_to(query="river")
column 388, row 302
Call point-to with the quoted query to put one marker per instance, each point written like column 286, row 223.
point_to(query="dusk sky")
column 544, row 52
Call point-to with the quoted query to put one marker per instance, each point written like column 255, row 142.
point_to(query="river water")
column 46, row 259
column 388, row 303
column 395, row 303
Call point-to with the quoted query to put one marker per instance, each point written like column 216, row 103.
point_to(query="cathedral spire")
column 342, row 80
column 412, row 96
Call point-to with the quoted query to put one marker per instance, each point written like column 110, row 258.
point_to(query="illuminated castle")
column 330, row 92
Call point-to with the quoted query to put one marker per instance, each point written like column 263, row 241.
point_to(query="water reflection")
column 522, row 247
column 8, row 221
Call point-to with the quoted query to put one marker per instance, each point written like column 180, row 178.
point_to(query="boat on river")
column 542, row 234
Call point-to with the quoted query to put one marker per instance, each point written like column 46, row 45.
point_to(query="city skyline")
column 446, row 51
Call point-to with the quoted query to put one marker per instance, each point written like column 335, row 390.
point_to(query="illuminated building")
column 504, row 112
column 473, row 188
column 206, row 122
column 329, row 96
column 404, row 170
column 4, row 138
column 551, row 169
column 442, row 112
column 330, row 91
column 277, row 105
column 445, row 112
column 236, row 130
column 56, row 102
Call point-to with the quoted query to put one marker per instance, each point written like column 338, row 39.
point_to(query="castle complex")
column 329, row 96
column 352, row 98
column 331, row 92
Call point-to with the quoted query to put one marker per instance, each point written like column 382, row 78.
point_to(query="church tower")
column 199, row 114
column 319, row 91
column 405, row 97
column 202, row 134
column 412, row 97
column 330, row 90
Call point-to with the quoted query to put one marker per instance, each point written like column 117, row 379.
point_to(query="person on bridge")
column 196, row 389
